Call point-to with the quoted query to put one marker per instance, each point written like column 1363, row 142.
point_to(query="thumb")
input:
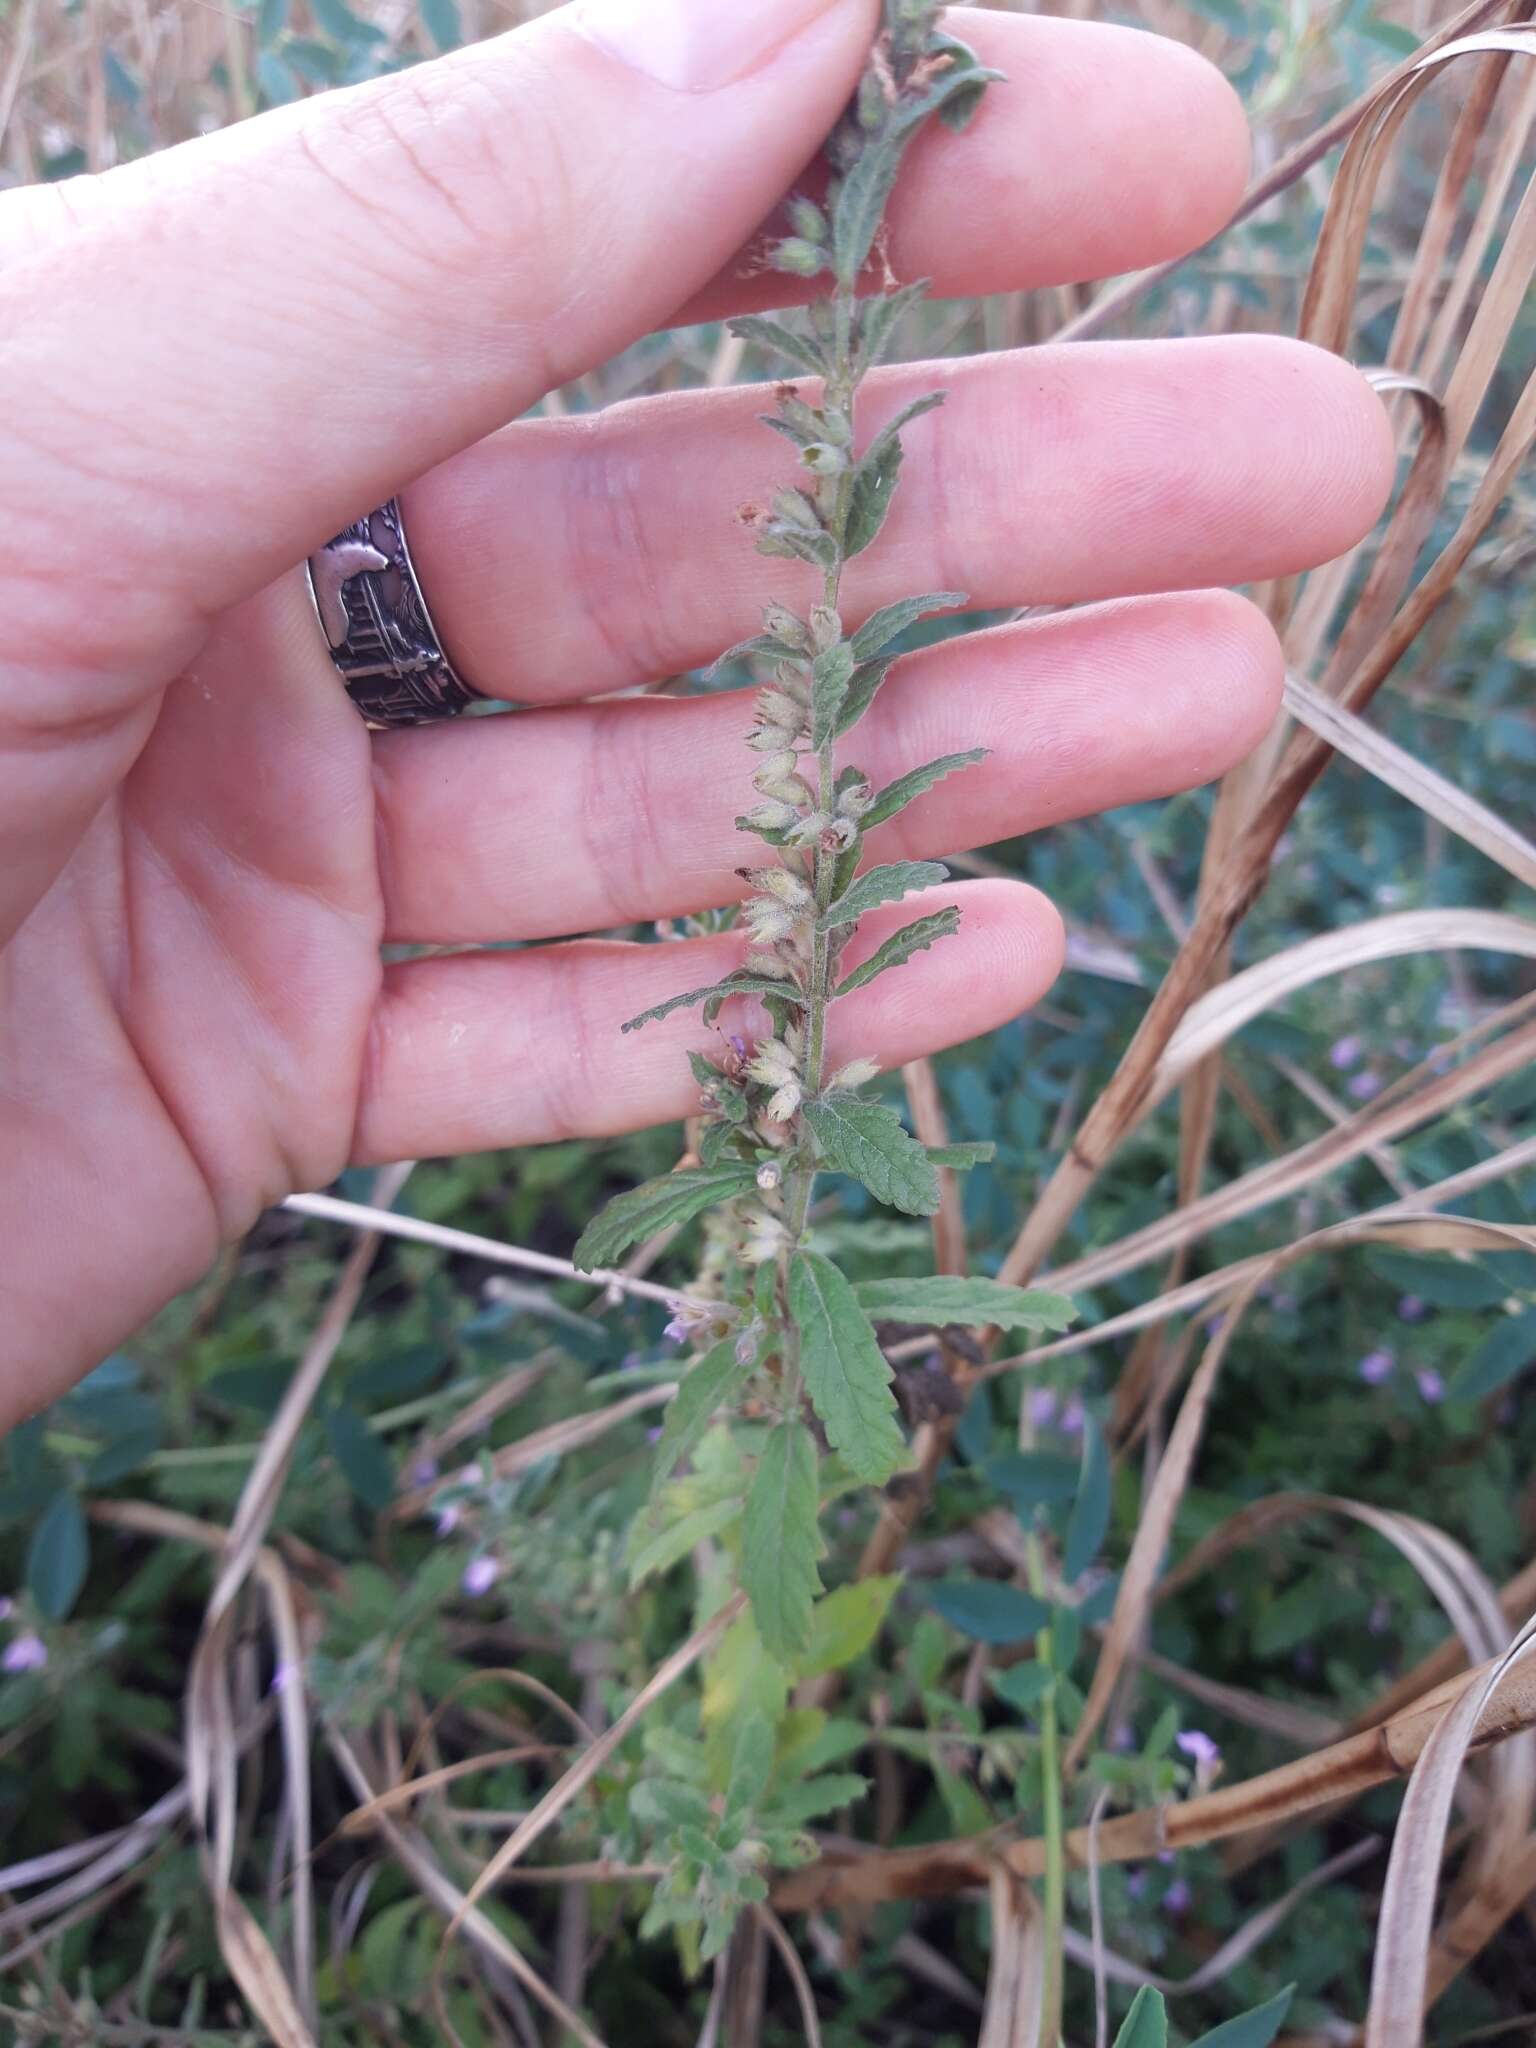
column 253, row 338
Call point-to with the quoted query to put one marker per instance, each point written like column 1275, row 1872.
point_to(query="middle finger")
column 569, row 558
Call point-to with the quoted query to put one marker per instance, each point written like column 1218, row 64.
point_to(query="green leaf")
column 1024, row 1686
column 440, row 19
column 831, row 674
column 334, row 18
column 907, row 788
column 862, row 199
column 781, row 1541
column 845, row 1624
column 736, row 985
column 1503, row 1353
column 879, row 317
column 944, row 1298
column 1253, row 2029
column 846, row 1373
column 58, row 1556
column 962, row 1157
column 751, row 1766
column 126, row 1453
column 708, row 1385
column 988, row 1610
column 885, row 625
column 1032, row 1479
column 867, row 678
column 876, row 478
column 773, row 334
column 1146, row 2024
column 916, row 937
column 658, row 1205
column 364, row 1462
column 882, row 885
column 1089, row 1520
column 868, row 1140
column 797, row 1804
column 649, row 1553
column 1445, row 1282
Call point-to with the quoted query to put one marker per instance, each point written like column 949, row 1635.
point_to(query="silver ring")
column 378, row 628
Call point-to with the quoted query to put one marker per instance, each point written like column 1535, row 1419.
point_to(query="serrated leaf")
column 846, row 1373
column 831, row 674
column 942, row 1298
column 58, row 1556
column 1089, row 1521
column 657, row 1205
column 989, row 1611
column 736, row 985
column 892, row 620
column 773, row 334
column 1146, row 2024
column 751, row 1766
column 1506, row 1351
column 886, row 884
column 907, row 788
column 876, row 478
column 650, row 1553
column 705, row 1387
column 845, row 1624
column 869, row 1141
column 1253, row 2029
column 880, row 317
column 861, row 691
column 363, row 1460
column 916, row 937
column 781, row 1541
column 664, row 1803
column 797, row 1804
column 961, row 1158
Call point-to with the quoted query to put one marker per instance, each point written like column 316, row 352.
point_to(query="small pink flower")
column 480, row 1574
column 27, row 1652
column 1431, row 1386
column 1198, row 1747
column 1365, row 1085
column 1411, row 1310
column 1042, row 1406
column 424, row 1471
column 1345, row 1052
column 1376, row 1366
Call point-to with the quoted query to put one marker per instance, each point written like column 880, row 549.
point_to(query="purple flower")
column 1213, row 1325
column 447, row 1520
column 653, row 1434
column 1122, row 1738
column 676, row 1331
column 1365, row 1084
column 1345, row 1052
column 284, row 1676
column 1376, row 1366
column 1072, row 1418
column 1411, row 1310
column 1199, row 1748
column 480, row 1574
column 1042, row 1407
column 26, row 1652
column 1177, row 1897
column 1136, row 1883
column 1431, row 1386
column 424, row 1471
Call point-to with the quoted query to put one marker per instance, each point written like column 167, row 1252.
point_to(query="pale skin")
column 213, row 360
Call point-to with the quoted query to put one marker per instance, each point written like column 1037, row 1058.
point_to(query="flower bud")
column 796, row 509
column 777, row 778
column 772, row 817
column 807, row 220
column 773, row 739
column 769, row 1175
column 785, row 1102
column 797, row 257
column 826, row 628
column 768, row 920
column 809, row 830
column 822, row 459
column 855, row 1074
column 854, row 801
column 786, row 625
column 781, row 883
column 777, row 707
column 770, row 965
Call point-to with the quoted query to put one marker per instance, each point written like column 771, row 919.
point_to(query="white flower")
column 773, row 1063
column 855, row 1074
column 768, row 920
column 785, row 1102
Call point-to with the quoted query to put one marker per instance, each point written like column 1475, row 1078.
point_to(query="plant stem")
column 1051, row 1827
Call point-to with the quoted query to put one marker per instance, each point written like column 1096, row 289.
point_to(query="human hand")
column 216, row 358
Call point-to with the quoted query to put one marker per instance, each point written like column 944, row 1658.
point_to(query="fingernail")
column 697, row 45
